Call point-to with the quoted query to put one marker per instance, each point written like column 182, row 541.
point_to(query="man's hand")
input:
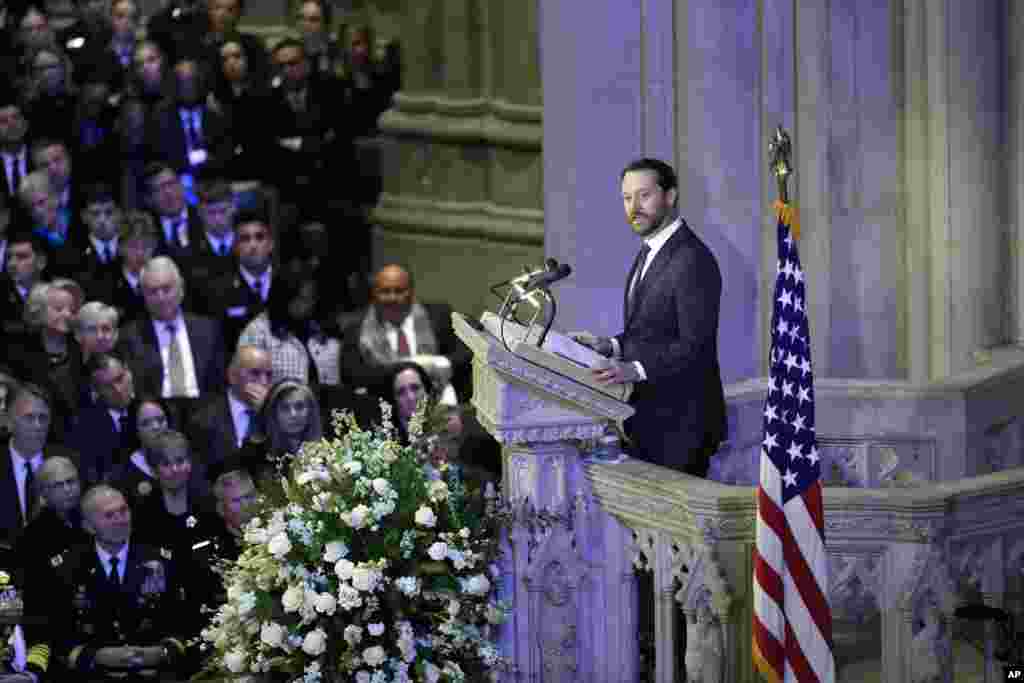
column 617, row 372
column 254, row 394
column 603, row 345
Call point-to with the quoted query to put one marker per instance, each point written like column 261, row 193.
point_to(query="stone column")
column 1015, row 166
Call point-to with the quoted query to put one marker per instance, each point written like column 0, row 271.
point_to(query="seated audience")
column 222, row 26
column 27, row 449
column 134, row 477
column 374, row 75
column 313, row 22
column 290, row 417
column 26, row 260
column 220, row 427
column 52, row 156
column 177, row 355
column 102, row 218
column 50, row 93
column 57, row 525
column 239, row 93
column 211, row 254
column 13, row 148
column 104, row 434
column 397, row 327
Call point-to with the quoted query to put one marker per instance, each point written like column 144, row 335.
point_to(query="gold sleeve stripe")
column 39, row 655
column 75, row 654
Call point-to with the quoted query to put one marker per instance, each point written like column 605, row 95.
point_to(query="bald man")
column 221, row 425
column 396, row 327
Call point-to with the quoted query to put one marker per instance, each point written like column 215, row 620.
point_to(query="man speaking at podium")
column 669, row 345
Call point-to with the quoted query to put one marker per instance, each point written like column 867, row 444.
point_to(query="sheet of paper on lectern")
column 560, row 353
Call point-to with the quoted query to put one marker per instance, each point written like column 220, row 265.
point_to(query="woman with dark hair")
column 134, row 477
column 410, row 384
column 239, row 93
column 289, row 418
column 290, row 329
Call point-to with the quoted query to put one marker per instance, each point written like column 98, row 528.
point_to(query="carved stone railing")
column 900, row 561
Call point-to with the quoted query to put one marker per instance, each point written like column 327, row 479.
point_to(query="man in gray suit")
column 669, row 347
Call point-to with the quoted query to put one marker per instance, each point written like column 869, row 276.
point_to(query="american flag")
column 792, row 629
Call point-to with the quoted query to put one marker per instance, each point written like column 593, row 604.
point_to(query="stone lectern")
column 574, row 614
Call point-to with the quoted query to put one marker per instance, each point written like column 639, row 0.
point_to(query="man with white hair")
column 176, row 355
column 96, row 328
column 115, row 608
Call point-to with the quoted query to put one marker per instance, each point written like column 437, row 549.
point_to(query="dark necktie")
column 113, row 578
column 403, row 344
column 15, row 173
column 30, row 492
column 638, row 272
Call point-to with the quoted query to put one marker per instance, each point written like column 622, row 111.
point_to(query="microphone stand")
column 513, row 298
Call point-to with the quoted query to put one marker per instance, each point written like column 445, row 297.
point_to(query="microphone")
column 549, row 277
column 980, row 612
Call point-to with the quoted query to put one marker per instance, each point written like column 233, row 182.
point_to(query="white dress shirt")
column 133, row 280
column 168, row 223
column 116, row 416
column 261, row 281
column 18, row 465
column 216, row 243
column 9, row 161
column 164, row 339
column 106, row 249
column 391, row 332
column 240, row 416
column 122, row 560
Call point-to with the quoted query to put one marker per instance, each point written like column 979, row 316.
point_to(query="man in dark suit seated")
column 179, row 223
column 26, row 451
column 102, row 219
column 17, row 162
column 219, row 428
column 41, row 204
column 238, row 296
column 104, row 433
column 118, row 285
column 396, row 327
column 211, row 254
column 175, row 355
column 669, row 347
column 26, row 261
column 54, row 157
column 117, row 609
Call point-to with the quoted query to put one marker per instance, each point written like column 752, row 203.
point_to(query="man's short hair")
column 288, row 41
column 27, row 237
column 666, row 176
column 230, row 479
column 253, row 216
column 95, row 492
column 215, row 190
column 98, row 193
column 30, row 390
column 325, row 11
column 42, row 143
column 164, row 443
column 92, row 312
column 102, row 361
column 39, row 295
column 162, row 264
column 35, row 182
column 153, row 169
column 138, row 225
column 50, row 466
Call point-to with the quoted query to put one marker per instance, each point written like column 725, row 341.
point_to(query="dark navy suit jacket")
column 142, row 349
column 672, row 329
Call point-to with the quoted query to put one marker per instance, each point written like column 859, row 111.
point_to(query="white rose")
column 464, row 532
column 381, row 486
column 357, row 517
column 234, row 592
column 326, row 604
column 438, row 551
column 292, row 598
column 334, row 551
column 374, row 656
column 432, row 673
column 438, row 490
column 353, row 634
column 375, row 629
column 279, row 545
column 272, row 634
column 235, row 661
column 425, row 517
column 364, row 579
column 343, row 569
column 478, row 585
column 315, row 642
column 453, row 608
column 362, row 677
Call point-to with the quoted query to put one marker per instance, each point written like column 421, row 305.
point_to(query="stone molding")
column 467, row 121
column 465, row 220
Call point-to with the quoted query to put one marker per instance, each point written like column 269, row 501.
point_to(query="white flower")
column 375, row 629
column 374, row 656
column 315, row 642
column 438, row 551
column 235, row 661
column 353, row 634
column 256, row 535
column 279, row 545
column 292, row 598
column 464, row 532
column 353, row 467
column 357, row 517
column 362, row 677
column 432, row 673
column 348, row 597
column 343, row 569
column 272, row 634
column 381, row 486
column 477, row 585
column 437, row 490
column 408, row 585
column 453, row 608
column 364, row 579
column 334, row 551
column 325, row 604
column 425, row 517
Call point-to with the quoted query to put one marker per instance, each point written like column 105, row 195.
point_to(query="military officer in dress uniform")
column 115, row 609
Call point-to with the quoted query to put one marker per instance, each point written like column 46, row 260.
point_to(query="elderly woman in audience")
column 42, row 204
column 44, row 353
column 135, row 477
column 176, row 512
column 292, row 332
column 57, row 524
column 96, row 328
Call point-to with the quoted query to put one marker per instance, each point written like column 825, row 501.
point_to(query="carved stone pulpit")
column 556, row 573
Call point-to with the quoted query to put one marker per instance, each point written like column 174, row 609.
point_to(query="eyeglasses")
column 152, row 423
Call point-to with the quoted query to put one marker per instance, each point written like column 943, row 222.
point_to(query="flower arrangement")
column 10, row 612
column 369, row 567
